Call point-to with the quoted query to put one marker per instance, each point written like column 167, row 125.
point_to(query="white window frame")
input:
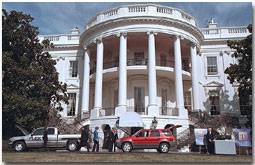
column 71, row 69
column 206, row 66
column 76, row 105
column 218, row 95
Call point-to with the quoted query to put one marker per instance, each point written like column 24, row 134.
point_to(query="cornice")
column 104, row 26
column 219, row 41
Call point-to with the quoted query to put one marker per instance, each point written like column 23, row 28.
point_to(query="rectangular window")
column 116, row 98
column 166, row 132
column 185, row 64
column 214, row 102
column 51, row 131
column 73, row 69
column 162, row 60
column 212, row 68
column 139, row 100
column 72, row 104
column 187, row 100
column 164, row 101
column 139, row 58
column 155, row 134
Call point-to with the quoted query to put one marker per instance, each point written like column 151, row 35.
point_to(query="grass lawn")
column 36, row 156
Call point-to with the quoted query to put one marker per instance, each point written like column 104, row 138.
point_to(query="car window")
column 38, row 132
column 143, row 134
column 155, row 134
column 166, row 133
column 50, row 131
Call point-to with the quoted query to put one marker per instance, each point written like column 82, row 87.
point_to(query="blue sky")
column 60, row 17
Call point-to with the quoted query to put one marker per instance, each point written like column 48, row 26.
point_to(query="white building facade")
column 149, row 59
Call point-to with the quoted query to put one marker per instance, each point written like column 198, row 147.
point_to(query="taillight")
column 10, row 140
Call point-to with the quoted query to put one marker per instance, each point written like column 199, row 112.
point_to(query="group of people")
column 112, row 138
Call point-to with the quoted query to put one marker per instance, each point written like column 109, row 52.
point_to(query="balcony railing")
column 141, row 110
column 135, row 62
column 225, row 32
column 108, row 111
column 166, row 63
column 168, row 111
column 141, row 10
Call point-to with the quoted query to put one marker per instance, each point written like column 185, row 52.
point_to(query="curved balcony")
column 143, row 10
column 144, row 62
column 141, row 110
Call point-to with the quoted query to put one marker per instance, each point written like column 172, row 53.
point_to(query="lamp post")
column 154, row 123
column 117, row 122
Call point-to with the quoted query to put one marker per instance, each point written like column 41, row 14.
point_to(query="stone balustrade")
column 225, row 32
column 141, row 10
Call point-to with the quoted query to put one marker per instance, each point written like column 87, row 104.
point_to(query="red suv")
column 147, row 139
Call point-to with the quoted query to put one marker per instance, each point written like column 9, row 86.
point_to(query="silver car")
column 35, row 140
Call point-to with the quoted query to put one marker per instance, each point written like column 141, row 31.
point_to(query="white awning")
column 130, row 119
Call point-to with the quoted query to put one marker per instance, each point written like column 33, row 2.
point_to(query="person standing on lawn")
column 84, row 138
column 111, row 140
column 45, row 137
column 115, row 139
column 210, row 138
column 96, row 140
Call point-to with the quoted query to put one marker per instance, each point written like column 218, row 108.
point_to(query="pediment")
column 213, row 84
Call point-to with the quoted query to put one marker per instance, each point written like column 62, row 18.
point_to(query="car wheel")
column 19, row 146
column 164, row 148
column 126, row 147
column 72, row 146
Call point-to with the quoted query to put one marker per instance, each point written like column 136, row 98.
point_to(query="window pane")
column 155, row 134
column 214, row 101
column 38, row 132
column 139, row 99
column 166, row 132
column 72, row 104
column 187, row 100
column 143, row 134
column 50, row 131
column 73, row 68
column 212, row 65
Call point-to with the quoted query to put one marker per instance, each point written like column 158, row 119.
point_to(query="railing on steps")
column 184, row 138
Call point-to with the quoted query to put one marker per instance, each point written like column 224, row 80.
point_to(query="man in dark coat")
column 45, row 137
column 84, row 138
column 115, row 139
column 210, row 138
column 111, row 140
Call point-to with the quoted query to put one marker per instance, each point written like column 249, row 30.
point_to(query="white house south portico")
column 148, row 59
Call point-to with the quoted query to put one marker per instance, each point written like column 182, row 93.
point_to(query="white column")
column 153, row 107
column 194, row 72
column 178, row 77
column 122, row 97
column 85, row 85
column 99, row 80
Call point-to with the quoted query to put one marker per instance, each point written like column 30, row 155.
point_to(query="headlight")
column 10, row 140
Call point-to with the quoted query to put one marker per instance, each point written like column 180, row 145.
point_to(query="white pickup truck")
column 35, row 140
